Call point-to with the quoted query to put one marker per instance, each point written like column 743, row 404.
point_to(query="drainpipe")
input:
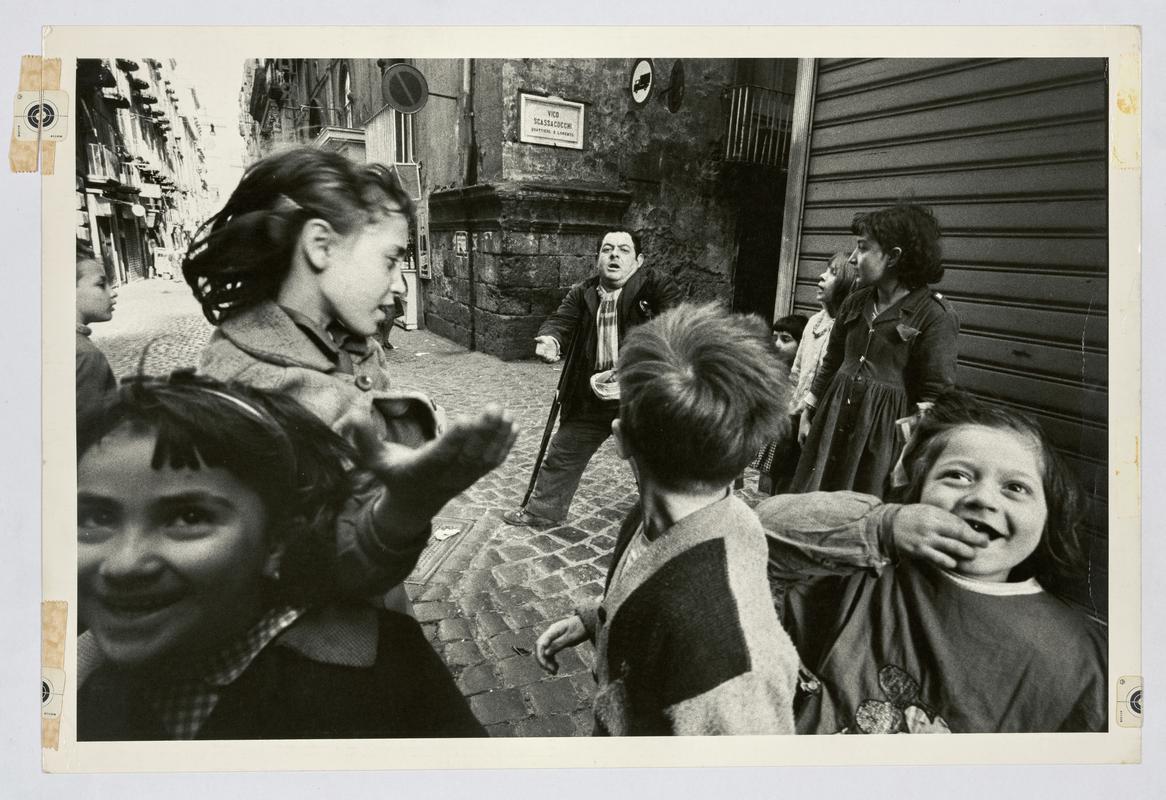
column 471, row 178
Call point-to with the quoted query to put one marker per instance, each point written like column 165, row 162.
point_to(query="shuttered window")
column 1011, row 156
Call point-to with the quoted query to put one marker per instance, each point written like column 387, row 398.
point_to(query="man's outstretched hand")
column 546, row 348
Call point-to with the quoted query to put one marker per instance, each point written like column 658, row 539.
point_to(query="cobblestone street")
column 483, row 590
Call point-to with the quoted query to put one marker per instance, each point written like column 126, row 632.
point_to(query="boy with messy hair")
column 687, row 640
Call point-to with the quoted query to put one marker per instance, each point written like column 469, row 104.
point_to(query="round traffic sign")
column 641, row 81
column 403, row 87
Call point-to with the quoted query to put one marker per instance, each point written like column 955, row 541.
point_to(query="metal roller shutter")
column 1011, row 156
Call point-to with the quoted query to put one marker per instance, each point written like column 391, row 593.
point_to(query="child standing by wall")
column 892, row 350
column 294, row 271
column 940, row 612
column 687, row 641
column 779, row 457
column 834, row 286
column 206, row 517
column 95, row 303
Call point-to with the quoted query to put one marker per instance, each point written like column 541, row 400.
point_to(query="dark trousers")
column 568, row 454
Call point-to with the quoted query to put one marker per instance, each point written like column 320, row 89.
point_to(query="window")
column 403, row 144
column 346, row 98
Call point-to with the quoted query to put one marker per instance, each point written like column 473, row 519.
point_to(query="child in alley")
column 95, row 303
column 686, row 636
column 293, row 272
column 946, row 609
column 205, row 530
column 891, row 351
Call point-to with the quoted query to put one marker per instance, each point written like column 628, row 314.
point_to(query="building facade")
column 506, row 225
column 336, row 104
column 141, row 167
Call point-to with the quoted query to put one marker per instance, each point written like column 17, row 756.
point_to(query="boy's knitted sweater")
column 687, row 638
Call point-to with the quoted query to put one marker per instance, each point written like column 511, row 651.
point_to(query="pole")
column 550, row 426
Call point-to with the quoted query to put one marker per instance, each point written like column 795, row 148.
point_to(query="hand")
column 420, row 481
column 807, row 419
column 934, row 535
column 567, row 632
column 546, row 348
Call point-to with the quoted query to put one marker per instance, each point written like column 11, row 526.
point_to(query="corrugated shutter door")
column 134, row 261
column 1011, row 156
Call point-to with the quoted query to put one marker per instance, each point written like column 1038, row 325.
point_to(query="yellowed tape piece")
column 36, row 74
column 1126, row 130
column 54, row 618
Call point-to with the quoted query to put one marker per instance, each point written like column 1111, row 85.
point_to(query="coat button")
column 363, row 382
column 601, row 615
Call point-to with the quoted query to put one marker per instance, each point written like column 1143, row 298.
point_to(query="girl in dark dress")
column 891, row 352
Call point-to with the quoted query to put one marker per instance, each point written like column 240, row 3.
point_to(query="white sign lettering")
column 551, row 121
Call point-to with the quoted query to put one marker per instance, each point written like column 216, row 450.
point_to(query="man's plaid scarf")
column 607, row 329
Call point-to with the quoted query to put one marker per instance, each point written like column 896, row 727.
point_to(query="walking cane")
column 555, row 403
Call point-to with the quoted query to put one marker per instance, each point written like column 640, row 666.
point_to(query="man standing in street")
column 599, row 310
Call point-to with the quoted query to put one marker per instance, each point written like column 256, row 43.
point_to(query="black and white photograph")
column 546, row 398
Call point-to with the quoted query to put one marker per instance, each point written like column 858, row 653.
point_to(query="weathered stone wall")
column 539, row 211
column 526, row 245
column 669, row 161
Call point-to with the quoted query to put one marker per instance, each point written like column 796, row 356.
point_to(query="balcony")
column 128, row 65
column 758, row 126
column 138, row 84
column 105, row 77
column 102, row 167
column 346, row 141
column 115, row 98
column 257, row 105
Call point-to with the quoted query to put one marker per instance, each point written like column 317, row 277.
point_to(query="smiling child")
column 942, row 612
column 205, row 524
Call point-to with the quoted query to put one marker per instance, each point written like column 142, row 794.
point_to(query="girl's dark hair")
column 85, row 254
column 847, row 276
column 1059, row 558
column 793, row 324
column 914, row 230
column 296, row 464
column 241, row 255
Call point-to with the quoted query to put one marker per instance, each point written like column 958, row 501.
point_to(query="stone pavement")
column 485, row 593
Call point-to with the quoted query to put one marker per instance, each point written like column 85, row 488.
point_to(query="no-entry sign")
column 404, row 88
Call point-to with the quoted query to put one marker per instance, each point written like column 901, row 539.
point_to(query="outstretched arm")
column 837, row 533
column 381, row 534
column 561, row 325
